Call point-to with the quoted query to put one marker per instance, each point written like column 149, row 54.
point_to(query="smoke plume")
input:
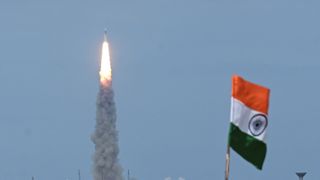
column 106, row 164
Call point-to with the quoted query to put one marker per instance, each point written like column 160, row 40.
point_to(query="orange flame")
column 105, row 68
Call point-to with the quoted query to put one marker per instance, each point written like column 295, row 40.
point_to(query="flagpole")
column 227, row 163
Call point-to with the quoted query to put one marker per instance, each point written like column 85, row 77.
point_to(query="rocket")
column 105, row 35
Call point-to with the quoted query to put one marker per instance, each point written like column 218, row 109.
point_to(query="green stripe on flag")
column 250, row 148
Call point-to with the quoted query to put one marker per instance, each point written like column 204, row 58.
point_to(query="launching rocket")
column 105, row 69
column 106, row 164
column 105, row 35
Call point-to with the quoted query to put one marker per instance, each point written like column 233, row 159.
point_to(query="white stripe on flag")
column 241, row 115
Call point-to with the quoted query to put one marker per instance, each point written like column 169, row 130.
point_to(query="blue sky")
column 172, row 64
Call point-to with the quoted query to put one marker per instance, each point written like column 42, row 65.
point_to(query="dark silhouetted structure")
column 300, row 175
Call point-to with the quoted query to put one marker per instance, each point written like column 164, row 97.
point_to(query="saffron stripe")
column 252, row 95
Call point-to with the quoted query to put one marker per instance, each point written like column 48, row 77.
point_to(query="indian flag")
column 249, row 120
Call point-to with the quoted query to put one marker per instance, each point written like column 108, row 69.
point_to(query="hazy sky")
column 172, row 64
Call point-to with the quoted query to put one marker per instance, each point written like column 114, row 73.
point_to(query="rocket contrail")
column 105, row 160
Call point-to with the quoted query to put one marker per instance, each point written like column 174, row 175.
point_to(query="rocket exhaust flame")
column 105, row 159
column 105, row 68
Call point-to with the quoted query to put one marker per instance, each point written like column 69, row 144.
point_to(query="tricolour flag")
column 249, row 120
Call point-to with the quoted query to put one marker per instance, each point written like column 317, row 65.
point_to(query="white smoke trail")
column 169, row 178
column 106, row 164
